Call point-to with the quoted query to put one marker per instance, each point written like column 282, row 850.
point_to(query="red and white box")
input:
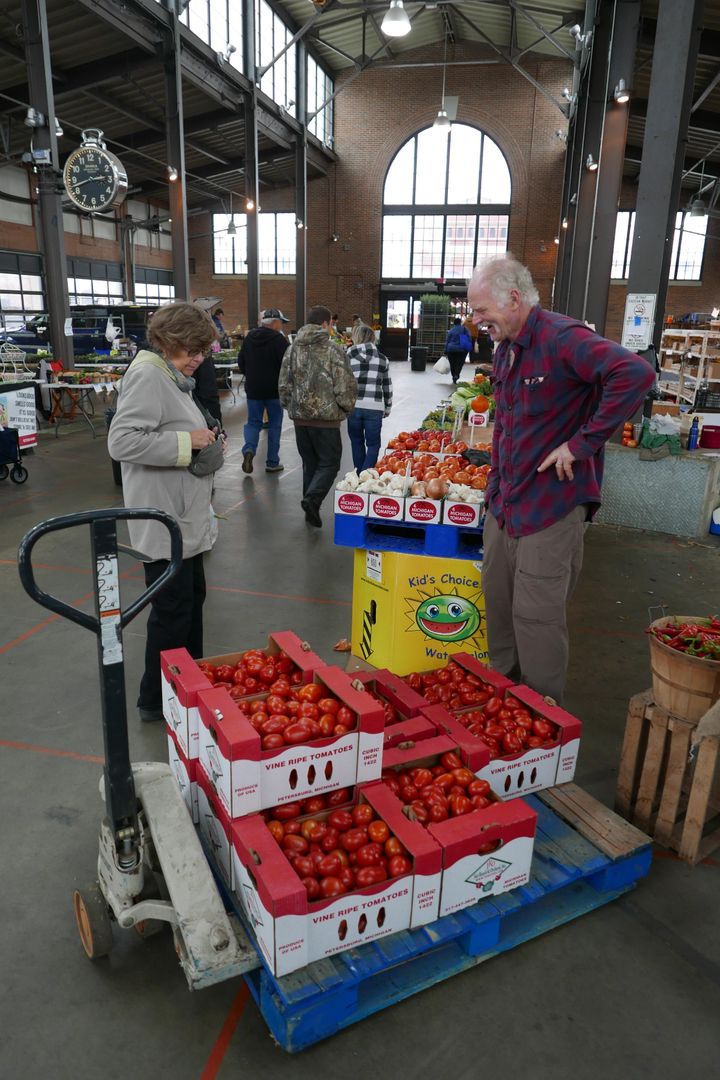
column 463, row 514
column 214, row 827
column 292, row 931
column 391, row 688
column 387, row 507
column 185, row 772
column 353, row 503
column 247, row 778
column 182, row 680
column 298, row 651
column 423, row 511
column 570, row 729
column 407, row 733
column 484, row 852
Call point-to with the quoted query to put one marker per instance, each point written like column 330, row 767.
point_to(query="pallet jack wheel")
column 19, row 474
column 4, row 472
column 93, row 921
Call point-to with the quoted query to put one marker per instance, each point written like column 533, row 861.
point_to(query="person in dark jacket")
column 458, row 344
column 206, row 390
column 260, row 360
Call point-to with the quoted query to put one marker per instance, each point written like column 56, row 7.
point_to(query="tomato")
column 292, row 827
column 463, row 776
column 238, row 693
column 346, row 716
column 421, row 777
column 273, row 725
column 394, row 847
column 399, row 865
column 254, row 665
column 331, row 886
column 258, row 706
column 437, row 812
column 479, row 787
column 224, row 673
column 370, row 875
column 277, row 829
column 275, row 704
column 238, row 677
column 272, row 742
column 340, row 820
column 287, row 811
column 342, row 856
column 340, row 729
column 480, row 802
column 313, row 830
column 326, row 723
column 284, row 664
column 314, row 804
column 328, row 705
column 294, row 844
column 296, row 733
column 337, row 798
column 445, row 780
column 312, row 888
column 511, row 743
column 362, row 814
column 523, row 719
column 369, row 855
column 267, row 674
column 378, row 832
column 292, row 708
column 542, row 729
column 392, row 782
column 493, row 706
column 354, row 839
column 329, row 866
column 459, row 805
column 251, row 685
column 303, row 866
column 330, row 840
column 421, row 812
column 208, row 671
column 311, row 692
column 534, row 741
column 281, row 687
column 312, row 726
column 347, row 876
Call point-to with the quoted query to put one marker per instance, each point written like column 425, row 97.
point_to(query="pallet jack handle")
column 107, row 625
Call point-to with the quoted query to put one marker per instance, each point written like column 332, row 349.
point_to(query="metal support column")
column 252, row 182
column 626, row 16
column 175, row 142
column 301, row 189
column 52, row 234
column 677, row 39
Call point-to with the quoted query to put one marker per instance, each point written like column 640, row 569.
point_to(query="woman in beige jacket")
column 157, row 434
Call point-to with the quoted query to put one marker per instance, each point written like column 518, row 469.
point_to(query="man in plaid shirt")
column 561, row 390
column 371, row 369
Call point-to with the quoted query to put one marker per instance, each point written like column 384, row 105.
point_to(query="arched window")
column 446, row 205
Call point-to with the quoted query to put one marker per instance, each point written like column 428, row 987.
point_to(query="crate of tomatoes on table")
column 508, row 735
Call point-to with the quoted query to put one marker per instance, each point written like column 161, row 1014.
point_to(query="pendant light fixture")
column 441, row 123
column 396, row 22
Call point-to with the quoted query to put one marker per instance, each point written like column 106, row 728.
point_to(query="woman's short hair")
column 175, row 327
column 504, row 274
column 361, row 334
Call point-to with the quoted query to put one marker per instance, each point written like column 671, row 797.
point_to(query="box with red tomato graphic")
column 486, row 844
column 464, row 515
column 271, row 750
column 424, row 511
column 185, row 772
column 214, row 827
column 299, row 913
column 352, row 503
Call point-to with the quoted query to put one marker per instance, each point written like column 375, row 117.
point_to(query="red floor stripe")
column 9, row 745
column 227, row 1031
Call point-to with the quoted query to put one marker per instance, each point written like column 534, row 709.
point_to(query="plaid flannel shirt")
column 371, row 368
column 557, row 382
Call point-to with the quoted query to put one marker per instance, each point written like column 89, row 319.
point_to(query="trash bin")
column 418, row 357
column 116, row 470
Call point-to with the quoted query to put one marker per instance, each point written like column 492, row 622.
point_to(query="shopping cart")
column 10, row 456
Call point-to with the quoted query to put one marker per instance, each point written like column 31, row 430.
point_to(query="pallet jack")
column 151, row 869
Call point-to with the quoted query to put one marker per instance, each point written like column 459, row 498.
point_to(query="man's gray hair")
column 361, row 334
column 504, row 274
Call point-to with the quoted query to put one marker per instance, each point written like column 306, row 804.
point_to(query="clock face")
column 94, row 179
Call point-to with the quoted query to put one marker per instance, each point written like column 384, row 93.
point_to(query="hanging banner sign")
column 17, row 410
column 639, row 321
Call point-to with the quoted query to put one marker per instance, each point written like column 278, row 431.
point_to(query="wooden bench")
column 661, row 788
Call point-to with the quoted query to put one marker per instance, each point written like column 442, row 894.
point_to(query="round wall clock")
column 95, row 179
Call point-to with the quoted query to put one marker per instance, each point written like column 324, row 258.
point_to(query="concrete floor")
column 632, row 990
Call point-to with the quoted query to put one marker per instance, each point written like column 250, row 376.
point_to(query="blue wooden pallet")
column 570, row 876
column 408, row 537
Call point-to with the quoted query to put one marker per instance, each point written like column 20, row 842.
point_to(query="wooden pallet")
column 660, row 788
column 584, row 857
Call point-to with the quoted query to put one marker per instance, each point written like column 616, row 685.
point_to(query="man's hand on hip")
column 562, row 460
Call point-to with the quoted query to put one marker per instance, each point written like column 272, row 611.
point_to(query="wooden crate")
column 660, row 788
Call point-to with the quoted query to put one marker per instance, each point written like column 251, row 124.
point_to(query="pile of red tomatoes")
column 437, row 792
column 292, row 715
column 392, row 716
column 255, row 673
column 507, row 727
column 451, row 686
column 346, row 849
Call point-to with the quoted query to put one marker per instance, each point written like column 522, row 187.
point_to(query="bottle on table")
column 694, row 436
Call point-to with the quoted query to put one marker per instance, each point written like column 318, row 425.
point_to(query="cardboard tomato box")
column 484, row 852
column 423, row 511
column 283, row 641
column 498, row 683
column 466, row 515
column 248, row 778
column 214, row 827
column 408, row 732
column 182, row 680
column 393, row 689
column 355, row 503
column 570, row 728
column 292, row 931
column 185, row 772
column 387, row 507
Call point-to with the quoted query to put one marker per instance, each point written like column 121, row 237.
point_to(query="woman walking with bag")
column 458, row 344
column 371, row 369
column 169, row 448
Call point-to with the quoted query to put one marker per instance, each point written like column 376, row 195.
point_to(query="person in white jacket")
column 168, row 448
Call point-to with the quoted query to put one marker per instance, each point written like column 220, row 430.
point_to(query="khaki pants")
column 527, row 583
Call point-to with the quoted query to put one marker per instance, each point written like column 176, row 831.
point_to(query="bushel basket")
column 685, row 686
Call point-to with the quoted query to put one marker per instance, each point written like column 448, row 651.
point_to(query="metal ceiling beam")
column 700, row 120
column 568, row 21
column 202, row 123
column 709, row 40
column 706, row 92
column 522, row 10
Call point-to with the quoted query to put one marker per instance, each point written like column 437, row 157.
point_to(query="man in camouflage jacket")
column 318, row 389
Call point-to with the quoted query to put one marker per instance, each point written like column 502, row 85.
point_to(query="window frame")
column 676, row 250
column 240, row 222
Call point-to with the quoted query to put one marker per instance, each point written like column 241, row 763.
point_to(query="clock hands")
column 89, row 179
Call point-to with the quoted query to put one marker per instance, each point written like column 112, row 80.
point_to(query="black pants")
column 175, row 622
column 457, row 361
column 321, row 451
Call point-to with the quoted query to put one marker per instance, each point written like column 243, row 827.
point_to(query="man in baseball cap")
column 259, row 361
